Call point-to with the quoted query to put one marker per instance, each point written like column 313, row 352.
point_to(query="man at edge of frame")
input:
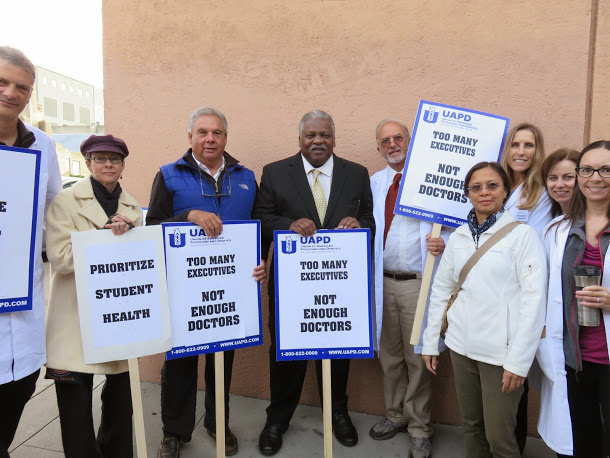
column 22, row 336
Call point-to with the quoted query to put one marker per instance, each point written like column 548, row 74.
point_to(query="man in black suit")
column 312, row 190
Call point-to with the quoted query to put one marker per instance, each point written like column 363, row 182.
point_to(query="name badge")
column 522, row 216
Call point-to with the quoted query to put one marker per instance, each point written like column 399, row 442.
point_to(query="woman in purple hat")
column 94, row 203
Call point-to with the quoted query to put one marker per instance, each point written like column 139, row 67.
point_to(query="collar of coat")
column 93, row 211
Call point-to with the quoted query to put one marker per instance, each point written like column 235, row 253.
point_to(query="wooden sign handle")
column 136, row 402
column 219, row 375
column 327, row 409
column 425, row 288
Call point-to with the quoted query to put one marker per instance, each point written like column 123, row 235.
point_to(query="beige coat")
column 74, row 209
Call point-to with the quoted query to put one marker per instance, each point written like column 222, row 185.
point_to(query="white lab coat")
column 379, row 185
column 22, row 336
column 554, row 424
column 538, row 217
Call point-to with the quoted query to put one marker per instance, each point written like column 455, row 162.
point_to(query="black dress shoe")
column 344, row 429
column 231, row 446
column 169, row 448
column 270, row 440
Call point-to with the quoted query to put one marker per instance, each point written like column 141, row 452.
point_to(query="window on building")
column 85, row 116
column 44, row 80
column 71, row 88
column 75, row 168
column 69, row 112
column 50, row 107
column 80, row 92
column 87, row 94
column 63, row 86
column 53, row 83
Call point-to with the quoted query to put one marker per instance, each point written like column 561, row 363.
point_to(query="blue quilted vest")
column 192, row 191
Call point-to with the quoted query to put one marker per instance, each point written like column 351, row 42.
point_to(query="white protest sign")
column 122, row 293
column 214, row 300
column 447, row 141
column 323, row 295
column 18, row 212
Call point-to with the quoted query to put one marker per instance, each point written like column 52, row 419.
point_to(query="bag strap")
column 491, row 241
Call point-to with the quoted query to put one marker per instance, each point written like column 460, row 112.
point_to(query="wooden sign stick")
column 425, row 288
column 136, row 402
column 327, row 409
column 219, row 369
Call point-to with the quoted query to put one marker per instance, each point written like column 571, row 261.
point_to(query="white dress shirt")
column 402, row 251
column 325, row 176
column 203, row 167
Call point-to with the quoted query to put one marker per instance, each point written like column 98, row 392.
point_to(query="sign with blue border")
column 215, row 303
column 447, row 141
column 323, row 295
column 19, row 183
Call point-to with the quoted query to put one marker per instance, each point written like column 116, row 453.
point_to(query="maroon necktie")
column 390, row 203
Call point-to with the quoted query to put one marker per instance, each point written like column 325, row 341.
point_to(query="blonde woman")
column 529, row 203
column 522, row 159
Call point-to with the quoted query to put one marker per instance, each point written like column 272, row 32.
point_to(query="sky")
column 61, row 35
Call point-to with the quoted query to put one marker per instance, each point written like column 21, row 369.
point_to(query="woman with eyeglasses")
column 575, row 410
column 95, row 203
column 497, row 317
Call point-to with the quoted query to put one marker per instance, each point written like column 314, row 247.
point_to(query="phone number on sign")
column 417, row 212
column 179, row 351
column 299, row 353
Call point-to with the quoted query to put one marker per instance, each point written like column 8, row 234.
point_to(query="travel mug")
column 587, row 276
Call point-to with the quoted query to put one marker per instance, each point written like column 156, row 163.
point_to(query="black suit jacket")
column 285, row 196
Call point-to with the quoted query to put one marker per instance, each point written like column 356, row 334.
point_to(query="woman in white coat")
column 93, row 203
column 522, row 159
column 554, row 426
column 574, row 358
column 529, row 203
column 496, row 319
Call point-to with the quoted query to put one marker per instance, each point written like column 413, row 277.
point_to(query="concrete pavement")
column 39, row 434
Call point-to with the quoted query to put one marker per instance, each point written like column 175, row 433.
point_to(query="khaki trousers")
column 489, row 416
column 406, row 382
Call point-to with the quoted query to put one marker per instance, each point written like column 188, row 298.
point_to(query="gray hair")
column 203, row 111
column 384, row 122
column 316, row 114
column 16, row 58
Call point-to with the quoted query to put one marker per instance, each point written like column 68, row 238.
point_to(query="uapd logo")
column 289, row 246
column 431, row 115
column 177, row 239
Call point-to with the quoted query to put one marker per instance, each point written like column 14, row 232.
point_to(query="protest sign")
column 19, row 177
column 447, row 141
column 122, row 293
column 323, row 295
column 214, row 300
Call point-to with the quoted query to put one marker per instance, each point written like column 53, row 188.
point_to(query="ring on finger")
column 597, row 300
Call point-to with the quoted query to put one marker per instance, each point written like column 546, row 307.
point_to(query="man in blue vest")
column 206, row 186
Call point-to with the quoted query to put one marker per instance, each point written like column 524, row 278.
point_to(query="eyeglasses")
column 586, row 172
column 477, row 188
column 385, row 142
column 218, row 192
column 102, row 159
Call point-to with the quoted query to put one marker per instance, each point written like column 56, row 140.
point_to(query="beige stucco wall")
column 265, row 63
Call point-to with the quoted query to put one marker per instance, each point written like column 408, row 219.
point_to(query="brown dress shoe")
column 169, row 448
column 231, row 446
